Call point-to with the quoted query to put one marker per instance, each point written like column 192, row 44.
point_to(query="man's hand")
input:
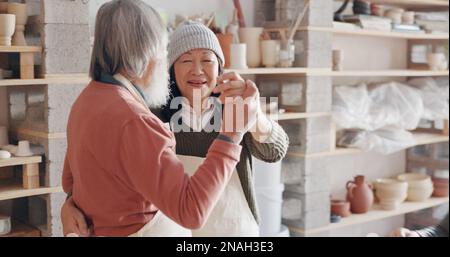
column 73, row 220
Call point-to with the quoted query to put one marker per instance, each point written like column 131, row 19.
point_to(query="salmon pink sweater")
column 121, row 166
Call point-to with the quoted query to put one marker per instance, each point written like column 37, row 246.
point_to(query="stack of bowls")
column 391, row 192
column 420, row 186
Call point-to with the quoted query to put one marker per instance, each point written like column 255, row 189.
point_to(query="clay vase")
column 7, row 25
column 225, row 41
column 360, row 195
column 20, row 10
column 251, row 37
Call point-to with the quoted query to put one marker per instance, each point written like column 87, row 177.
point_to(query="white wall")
column 190, row 7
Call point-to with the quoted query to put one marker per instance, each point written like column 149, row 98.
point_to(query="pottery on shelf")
column 20, row 11
column 440, row 187
column 340, row 208
column 360, row 195
column 251, row 36
column 437, row 61
column 270, row 53
column 225, row 41
column 391, row 192
column 4, row 155
column 10, row 148
column 23, row 149
column 420, row 186
column 7, row 27
column 238, row 56
column 5, row 225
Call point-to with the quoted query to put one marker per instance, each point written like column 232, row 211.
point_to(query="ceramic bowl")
column 416, row 180
column 391, row 192
column 340, row 208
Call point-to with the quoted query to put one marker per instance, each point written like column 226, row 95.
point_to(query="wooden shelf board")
column 412, row 3
column 370, row 33
column 300, row 115
column 45, row 81
column 281, row 71
column 421, row 139
column 14, row 161
column 377, row 213
column 13, row 189
column 346, row 73
column 20, row 49
column 19, row 229
column 389, row 73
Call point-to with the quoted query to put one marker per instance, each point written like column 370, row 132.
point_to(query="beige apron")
column 231, row 217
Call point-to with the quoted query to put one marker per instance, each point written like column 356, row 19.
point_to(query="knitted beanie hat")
column 193, row 35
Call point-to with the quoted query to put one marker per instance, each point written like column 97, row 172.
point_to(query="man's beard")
column 158, row 91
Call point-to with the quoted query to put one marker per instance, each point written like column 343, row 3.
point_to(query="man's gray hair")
column 129, row 34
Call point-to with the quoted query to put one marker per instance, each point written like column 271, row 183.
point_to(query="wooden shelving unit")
column 23, row 230
column 29, row 186
column 26, row 58
column 421, row 139
column 376, row 213
column 45, row 81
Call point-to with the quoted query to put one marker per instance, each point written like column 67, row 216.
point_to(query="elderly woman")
column 121, row 169
column 196, row 62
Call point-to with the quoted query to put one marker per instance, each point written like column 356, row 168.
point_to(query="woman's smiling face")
column 196, row 70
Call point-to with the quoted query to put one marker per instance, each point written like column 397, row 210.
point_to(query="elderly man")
column 121, row 169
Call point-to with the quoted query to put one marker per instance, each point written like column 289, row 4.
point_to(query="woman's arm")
column 273, row 147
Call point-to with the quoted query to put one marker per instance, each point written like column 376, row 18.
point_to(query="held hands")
column 241, row 105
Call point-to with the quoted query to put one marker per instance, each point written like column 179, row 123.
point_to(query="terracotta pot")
column 20, row 10
column 441, row 187
column 225, row 41
column 340, row 208
column 360, row 195
column 7, row 26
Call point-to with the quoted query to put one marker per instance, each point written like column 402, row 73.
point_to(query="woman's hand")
column 241, row 101
column 403, row 232
column 73, row 220
column 232, row 85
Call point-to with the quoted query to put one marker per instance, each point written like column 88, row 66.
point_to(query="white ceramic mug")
column 251, row 37
column 7, row 27
column 238, row 56
column 270, row 52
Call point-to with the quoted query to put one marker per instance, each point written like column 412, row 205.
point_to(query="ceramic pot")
column 391, row 192
column 238, row 56
column 20, row 10
column 251, row 37
column 225, row 41
column 23, row 149
column 270, row 53
column 340, row 208
column 441, row 187
column 7, row 27
column 360, row 195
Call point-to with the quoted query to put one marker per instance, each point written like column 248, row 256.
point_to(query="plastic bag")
column 384, row 141
column 386, row 105
column 434, row 97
